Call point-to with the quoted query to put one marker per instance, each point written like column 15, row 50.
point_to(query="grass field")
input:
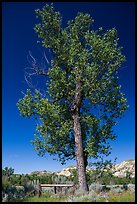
column 126, row 196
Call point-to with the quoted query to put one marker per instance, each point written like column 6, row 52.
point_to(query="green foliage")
column 46, row 179
column 15, row 180
column 79, row 53
column 59, row 179
column 101, row 177
column 9, row 191
column 7, row 171
column 5, row 183
column 74, row 176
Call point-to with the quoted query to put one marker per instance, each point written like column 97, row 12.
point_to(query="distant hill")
column 121, row 169
column 117, row 170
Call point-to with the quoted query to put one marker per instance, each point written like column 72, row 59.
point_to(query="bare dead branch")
column 46, row 58
column 34, row 69
column 34, row 60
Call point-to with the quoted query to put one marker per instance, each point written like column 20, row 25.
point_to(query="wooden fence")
column 58, row 185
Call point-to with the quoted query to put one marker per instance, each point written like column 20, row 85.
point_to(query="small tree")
column 8, row 172
column 83, row 97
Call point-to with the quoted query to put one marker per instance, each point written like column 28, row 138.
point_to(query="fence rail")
column 58, row 185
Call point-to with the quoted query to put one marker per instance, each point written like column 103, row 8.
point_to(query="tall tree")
column 83, row 97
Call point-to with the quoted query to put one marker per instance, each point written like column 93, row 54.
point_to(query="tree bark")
column 78, row 139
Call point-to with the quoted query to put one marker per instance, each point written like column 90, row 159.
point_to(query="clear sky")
column 18, row 37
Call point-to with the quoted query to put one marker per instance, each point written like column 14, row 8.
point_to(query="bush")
column 87, row 197
column 46, row 178
column 5, row 183
column 12, row 194
column 95, row 187
column 117, row 189
column 131, row 187
column 74, row 176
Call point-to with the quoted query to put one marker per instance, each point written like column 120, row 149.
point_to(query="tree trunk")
column 78, row 139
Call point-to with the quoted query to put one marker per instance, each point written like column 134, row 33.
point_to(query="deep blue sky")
column 18, row 37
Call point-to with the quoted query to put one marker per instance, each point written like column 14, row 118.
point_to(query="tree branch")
column 34, row 69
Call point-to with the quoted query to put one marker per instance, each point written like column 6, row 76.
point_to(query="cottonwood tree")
column 84, row 98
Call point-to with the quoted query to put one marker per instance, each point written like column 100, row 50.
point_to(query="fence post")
column 55, row 189
column 73, row 189
column 40, row 190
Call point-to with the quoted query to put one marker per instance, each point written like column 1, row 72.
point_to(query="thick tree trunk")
column 78, row 139
column 80, row 155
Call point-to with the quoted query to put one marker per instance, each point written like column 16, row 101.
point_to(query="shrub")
column 88, row 197
column 74, row 176
column 131, row 187
column 5, row 182
column 46, row 178
column 95, row 187
column 12, row 194
column 117, row 189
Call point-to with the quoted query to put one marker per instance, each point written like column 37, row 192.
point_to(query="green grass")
column 126, row 196
column 46, row 197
